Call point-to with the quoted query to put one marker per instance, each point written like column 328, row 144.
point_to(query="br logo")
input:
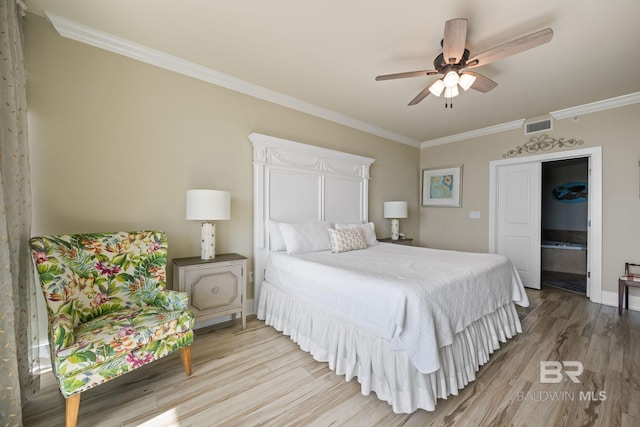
column 551, row 371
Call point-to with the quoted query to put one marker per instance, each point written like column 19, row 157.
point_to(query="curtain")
column 18, row 321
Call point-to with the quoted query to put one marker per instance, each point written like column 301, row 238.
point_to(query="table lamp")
column 208, row 206
column 395, row 210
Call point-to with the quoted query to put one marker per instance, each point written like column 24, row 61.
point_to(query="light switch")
column 474, row 214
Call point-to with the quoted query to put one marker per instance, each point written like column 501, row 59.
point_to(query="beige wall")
column 615, row 130
column 115, row 143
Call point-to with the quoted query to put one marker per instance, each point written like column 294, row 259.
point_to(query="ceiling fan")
column 453, row 63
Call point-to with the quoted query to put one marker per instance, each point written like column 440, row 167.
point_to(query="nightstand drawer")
column 214, row 289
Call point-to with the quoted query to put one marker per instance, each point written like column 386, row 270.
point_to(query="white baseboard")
column 611, row 298
column 42, row 350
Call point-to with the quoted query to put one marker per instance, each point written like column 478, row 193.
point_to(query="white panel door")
column 518, row 222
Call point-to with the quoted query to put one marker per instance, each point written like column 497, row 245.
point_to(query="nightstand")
column 216, row 287
column 406, row 242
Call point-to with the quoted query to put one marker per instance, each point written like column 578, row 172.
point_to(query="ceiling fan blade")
column 511, row 48
column 407, row 74
column 455, row 38
column 419, row 97
column 481, row 84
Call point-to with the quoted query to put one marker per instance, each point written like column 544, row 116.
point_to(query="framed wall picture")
column 442, row 186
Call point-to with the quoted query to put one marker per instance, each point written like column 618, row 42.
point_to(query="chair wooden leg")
column 186, row 359
column 620, row 296
column 626, row 296
column 73, row 406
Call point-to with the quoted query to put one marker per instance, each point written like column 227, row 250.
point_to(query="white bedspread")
column 417, row 298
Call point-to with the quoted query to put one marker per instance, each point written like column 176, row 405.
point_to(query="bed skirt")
column 355, row 353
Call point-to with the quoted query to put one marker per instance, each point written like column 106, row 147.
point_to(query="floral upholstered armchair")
column 109, row 311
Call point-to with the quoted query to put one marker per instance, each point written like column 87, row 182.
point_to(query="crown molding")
column 474, row 133
column 593, row 107
column 619, row 101
column 109, row 42
column 102, row 40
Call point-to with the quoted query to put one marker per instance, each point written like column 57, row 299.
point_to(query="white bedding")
column 361, row 355
column 416, row 298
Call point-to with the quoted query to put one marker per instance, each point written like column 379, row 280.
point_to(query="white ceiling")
column 327, row 53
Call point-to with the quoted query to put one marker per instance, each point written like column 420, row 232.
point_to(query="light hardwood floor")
column 259, row 377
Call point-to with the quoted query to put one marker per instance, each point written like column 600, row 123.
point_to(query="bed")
column 411, row 324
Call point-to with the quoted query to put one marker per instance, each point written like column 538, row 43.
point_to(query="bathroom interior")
column 564, row 224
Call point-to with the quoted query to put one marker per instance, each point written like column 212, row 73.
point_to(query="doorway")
column 564, row 224
column 531, row 257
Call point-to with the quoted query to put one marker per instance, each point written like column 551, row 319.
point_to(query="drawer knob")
column 215, row 290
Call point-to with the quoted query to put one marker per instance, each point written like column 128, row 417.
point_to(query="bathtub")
column 563, row 257
column 550, row 244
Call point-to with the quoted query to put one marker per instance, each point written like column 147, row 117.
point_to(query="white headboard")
column 295, row 182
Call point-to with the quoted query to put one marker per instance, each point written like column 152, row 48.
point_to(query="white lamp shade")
column 451, row 92
column 395, row 209
column 208, row 205
column 466, row 80
column 451, row 79
column 437, row 87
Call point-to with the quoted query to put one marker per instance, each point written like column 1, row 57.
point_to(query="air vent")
column 538, row 126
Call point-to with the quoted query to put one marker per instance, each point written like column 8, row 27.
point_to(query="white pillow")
column 306, row 237
column 367, row 229
column 347, row 239
column 276, row 241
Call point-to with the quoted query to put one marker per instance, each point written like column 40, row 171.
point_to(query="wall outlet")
column 251, row 277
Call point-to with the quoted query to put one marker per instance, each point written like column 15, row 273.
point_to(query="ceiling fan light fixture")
column 454, row 59
column 466, row 80
column 451, row 79
column 451, row 92
column 437, row 87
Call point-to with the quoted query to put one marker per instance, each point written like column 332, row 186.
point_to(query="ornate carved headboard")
column 295, row 182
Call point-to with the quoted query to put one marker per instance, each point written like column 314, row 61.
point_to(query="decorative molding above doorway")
column 541, row 143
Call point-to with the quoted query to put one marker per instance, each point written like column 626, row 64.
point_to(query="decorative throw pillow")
column 367, row 229
column 347, row 239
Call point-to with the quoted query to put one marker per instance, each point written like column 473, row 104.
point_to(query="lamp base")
column 395, row 229
column 208, row 240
